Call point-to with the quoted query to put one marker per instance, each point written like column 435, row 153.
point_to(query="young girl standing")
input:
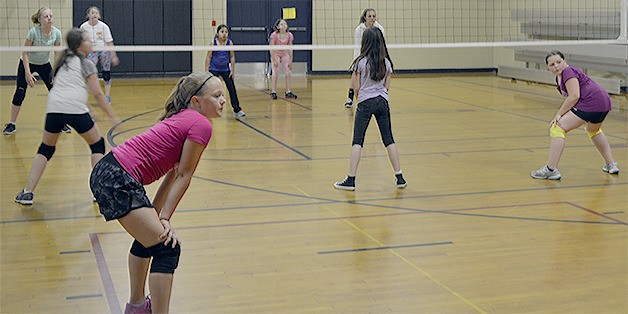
column 44, row 34
column 74, row 76
column 281, row 36
column 222, row 63
column 100, row 35
column 368, row 19
column 371, row 74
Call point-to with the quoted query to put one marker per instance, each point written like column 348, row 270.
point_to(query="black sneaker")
column 291, row 95
column 24, row 198
column 347, row 184
column 401, row 183
column 273, row 95
column 9, row 129
column 349, row 103
column 66, row 129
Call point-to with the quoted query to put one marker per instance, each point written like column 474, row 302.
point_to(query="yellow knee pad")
column 556, row 131
column 593, row 133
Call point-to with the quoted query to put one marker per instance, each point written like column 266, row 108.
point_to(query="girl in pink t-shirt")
column 281, row 36
column 173, row 148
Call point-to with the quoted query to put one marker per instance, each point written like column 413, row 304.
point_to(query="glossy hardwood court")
column 264, row 231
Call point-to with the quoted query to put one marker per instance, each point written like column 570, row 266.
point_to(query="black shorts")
column 592, row 117
column 80, row 122
column 115, row 190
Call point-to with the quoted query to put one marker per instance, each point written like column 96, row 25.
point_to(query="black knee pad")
column 137, row 249
column 165, row 258
column 98, row 147
column 351, row 93
column 18, row 97
column 106, row 76
column 46, row 151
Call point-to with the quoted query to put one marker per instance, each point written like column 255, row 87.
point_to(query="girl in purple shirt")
column 172, row 148
column 586, row 103
column 372, row 71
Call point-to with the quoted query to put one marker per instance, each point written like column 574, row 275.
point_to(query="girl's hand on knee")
column 168, row 235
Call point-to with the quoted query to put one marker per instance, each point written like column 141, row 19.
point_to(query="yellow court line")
column 405, row 260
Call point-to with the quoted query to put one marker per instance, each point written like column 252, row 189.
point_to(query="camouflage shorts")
column 115, row 190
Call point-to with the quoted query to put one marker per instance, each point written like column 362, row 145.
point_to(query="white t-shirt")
column 358, row 37
column 99, row 33
column 70, row 92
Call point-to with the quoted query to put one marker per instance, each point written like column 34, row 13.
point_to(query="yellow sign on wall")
column 289, row 13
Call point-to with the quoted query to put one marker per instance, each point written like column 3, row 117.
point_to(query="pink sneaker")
column 138, row 309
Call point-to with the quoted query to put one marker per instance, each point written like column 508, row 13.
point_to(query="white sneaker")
column 239, row 115
column 349, row 103
column 544, row 173
column 611, row 168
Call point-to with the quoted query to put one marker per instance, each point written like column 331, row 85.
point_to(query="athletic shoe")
column 401, row 183
column 611, row 168
column 349, row 103
column 544, row 173
column 108, row 98
column 9, row 129
column 291, row 95
column 239, row 115
column 66, row 129
column 273, row 95
column 24, row 198
column 139, row 309
column 347, row 184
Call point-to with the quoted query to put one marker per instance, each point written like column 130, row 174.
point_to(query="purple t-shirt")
column 369, row 88
column 220, row 59
column 593, row 98
column 150, row 155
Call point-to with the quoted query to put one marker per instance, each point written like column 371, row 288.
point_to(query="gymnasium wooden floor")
column 264, row 231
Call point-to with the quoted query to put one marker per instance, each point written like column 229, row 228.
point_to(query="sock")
column 548, row 168
column 398, row 172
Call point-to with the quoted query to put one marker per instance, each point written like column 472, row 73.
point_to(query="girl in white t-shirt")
column 75, row 76
column 101, row 38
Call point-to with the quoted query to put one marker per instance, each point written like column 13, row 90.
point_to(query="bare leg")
column 138, row 269
column 288, row 78
column 568, row 122
column 15, row 110
column 108, row 88
column 356, row 152
column 393, row 155
column 274, row 78
column 40, row 162
column 143, row 224
column 601, row 142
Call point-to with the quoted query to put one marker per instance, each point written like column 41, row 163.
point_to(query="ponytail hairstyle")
column 221, row 26
column 182, row 93
column 74, row 38
column 375, row 51
column 35, row 17
column 363, row 17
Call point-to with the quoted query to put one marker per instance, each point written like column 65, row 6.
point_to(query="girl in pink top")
column 281, row 36
column 172, row 148
column 586, row 103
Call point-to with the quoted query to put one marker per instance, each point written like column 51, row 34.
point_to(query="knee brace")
column 18, row 97
column 106, row 76
column 137, row 249
column 46, row 151
column 98, row 147
column 593, row 133
column 165, row 258
column 351, row 93
column 556, row 131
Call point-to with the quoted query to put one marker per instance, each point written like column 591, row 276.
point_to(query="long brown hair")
column 375, row 51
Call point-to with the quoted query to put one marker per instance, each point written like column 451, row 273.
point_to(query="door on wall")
column 145, row 22
column 252, row 21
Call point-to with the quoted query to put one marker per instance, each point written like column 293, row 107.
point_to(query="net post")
column 623, row 33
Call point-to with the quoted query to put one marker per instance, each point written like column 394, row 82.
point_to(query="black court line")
column 276, row 140
column 74, row 252
column 384, row 248
column 85, row 296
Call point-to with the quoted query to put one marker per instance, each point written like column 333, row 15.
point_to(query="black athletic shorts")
column 592, row 117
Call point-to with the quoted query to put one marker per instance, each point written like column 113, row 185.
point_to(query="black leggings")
column 378, row 107
column 233, row 95
column 44, row 71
